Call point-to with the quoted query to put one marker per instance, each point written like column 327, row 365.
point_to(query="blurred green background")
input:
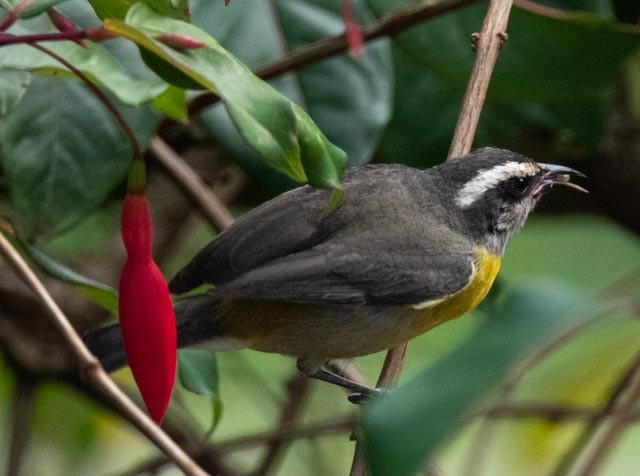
column 566, row 90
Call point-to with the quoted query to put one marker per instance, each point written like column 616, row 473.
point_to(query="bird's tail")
column 195, row 319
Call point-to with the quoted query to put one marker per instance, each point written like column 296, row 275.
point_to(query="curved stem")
column 7, row 39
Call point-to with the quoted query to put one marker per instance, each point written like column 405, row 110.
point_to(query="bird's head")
column 496, row 189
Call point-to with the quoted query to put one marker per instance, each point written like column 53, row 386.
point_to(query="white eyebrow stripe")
column 489, row 178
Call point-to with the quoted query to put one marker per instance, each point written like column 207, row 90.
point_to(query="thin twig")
column 191, row 184
column 330, row 427
column 487, row 45
column 90, row 368
column 297, row 392
column 8, row 39
column 619, row 408
column 336, row 45
column 545, row 411
column 242, row 443
column 23, row 398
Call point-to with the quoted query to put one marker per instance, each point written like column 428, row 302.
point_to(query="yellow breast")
column 434, row 313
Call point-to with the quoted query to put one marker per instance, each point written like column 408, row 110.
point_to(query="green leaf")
column 34, row 9
column 99, row 293
column 545, row 58
column 93, row 60
column 13, row 86
column 198, row 372
column 173, row 104
column 403, row 428
column 63, row 153
column 277, row 128
column 349, row 99
column 118, row 8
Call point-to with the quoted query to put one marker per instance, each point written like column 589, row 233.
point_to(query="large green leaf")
column 35, row 8
column 349, row 99
column 62, row 153
column 277, row 128
column 545, row 58
column 13, row 85
column 92, row 59
column 198, row 371
column 118, row 8
column 404, row 427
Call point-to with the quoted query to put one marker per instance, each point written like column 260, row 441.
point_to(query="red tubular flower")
column 147, row 318
column 352, row 30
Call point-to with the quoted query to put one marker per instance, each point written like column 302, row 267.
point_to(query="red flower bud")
column 147, row 318
column 62, row 23
column 353, row 33
column 227, row 2
column 180, row 42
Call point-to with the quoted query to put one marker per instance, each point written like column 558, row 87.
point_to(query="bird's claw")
column 361, row 397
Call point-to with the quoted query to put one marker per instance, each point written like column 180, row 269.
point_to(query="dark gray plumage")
column 287, row 250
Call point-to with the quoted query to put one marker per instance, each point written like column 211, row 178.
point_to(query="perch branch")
column 90, row 368
column 486, row 45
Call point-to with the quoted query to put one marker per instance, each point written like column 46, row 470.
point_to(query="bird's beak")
column 558, row 174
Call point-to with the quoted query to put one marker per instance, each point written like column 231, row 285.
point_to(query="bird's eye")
column 517, row 186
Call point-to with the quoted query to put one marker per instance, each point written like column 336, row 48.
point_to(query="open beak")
column 558, row 174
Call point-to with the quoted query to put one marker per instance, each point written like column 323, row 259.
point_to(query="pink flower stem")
column 8, row 39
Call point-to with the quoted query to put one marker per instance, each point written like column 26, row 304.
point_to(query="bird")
column 404, row 251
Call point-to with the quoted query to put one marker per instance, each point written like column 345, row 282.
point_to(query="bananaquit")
column 406, row 250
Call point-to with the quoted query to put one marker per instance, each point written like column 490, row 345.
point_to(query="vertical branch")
column 23, row 398
column 486, row 45
column 92, row 371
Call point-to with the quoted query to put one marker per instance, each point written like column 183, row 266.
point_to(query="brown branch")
column 242, row 443
column 191, row 184
column 330, row 427
column 487, row 45
column 316, row 52
column 297, row 392
column 91, row 370
column 22, row 410
column 617, row 403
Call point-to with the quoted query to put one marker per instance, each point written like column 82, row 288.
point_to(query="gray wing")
column 287, row 224
column 341, row 277
column 286, row 250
